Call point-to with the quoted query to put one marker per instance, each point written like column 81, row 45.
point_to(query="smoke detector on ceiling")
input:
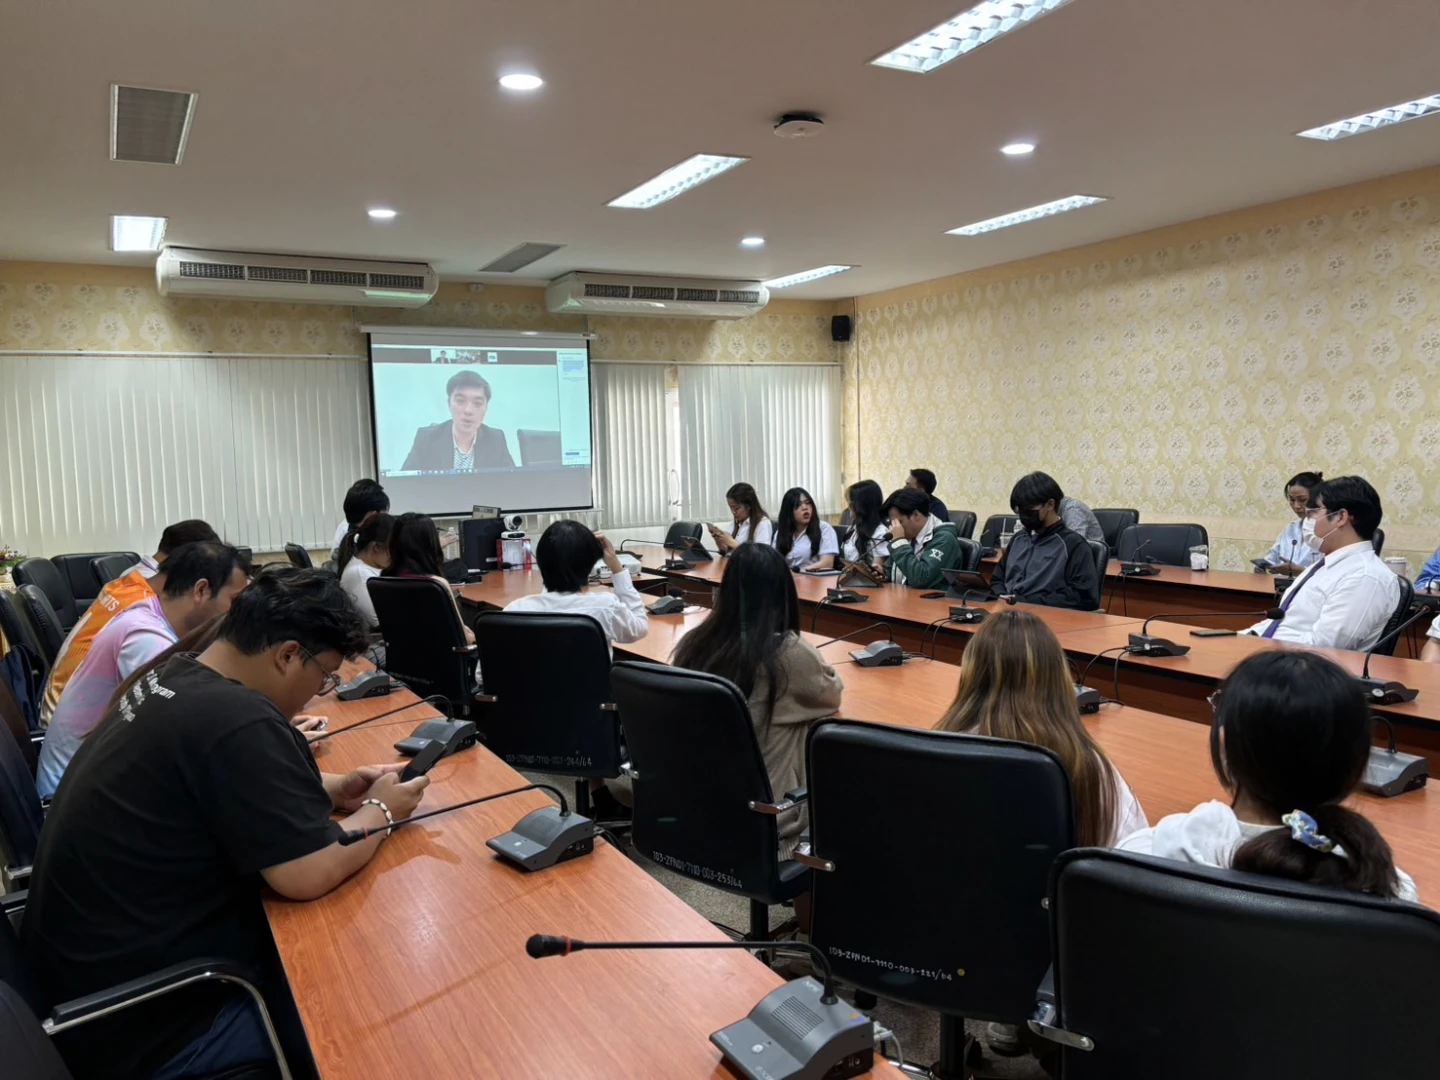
column 799, row 125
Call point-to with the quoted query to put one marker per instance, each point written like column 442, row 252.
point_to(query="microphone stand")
column 1142, row 644
column 1380, row 691
column 1137, row 567
column 1389, row 772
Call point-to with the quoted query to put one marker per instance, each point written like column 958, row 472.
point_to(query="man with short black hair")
column 463, row 443
column 193, row 794
column 365, row 496
column 196, row 583
column 924, row 480
column 1038, row 487
column 1344, row 599
column 115, row 596
column 922, row 545
column 567, row 554
column 1047, row 562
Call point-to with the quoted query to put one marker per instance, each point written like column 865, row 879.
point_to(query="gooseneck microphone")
column 1136, row 566
column 964, row 613
column 354, row 836
column 871, row 626
column 1142, row 644
column 438, row 701
column 1379, row 691
column 542, row 945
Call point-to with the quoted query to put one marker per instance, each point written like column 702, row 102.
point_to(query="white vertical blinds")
column 100, row 453
column 628, row 407
column 776, row 426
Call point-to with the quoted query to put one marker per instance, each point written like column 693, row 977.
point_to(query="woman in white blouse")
column 806, row 542
column 1290, row 555
column 749, row 522
column 868, row 541
column 364, row 552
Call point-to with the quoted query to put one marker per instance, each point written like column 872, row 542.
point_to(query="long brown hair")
column 1015, row 684
column 744, row 494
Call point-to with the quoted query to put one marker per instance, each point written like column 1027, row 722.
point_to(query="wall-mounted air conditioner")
column 669, row 298
column 293, row 279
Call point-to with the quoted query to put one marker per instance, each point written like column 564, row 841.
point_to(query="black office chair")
column 970, row 555
column 14, row 720
column 21, row 815
column 539, row 448
column 247, row 557
column 979, row 822
column 1168, row 545
column 703, row 802
column 846, row 518
column 44, row 621
column 1114, row 522
column 16, row 628
column 1101, row 550
column 1402, row 612
column 298, row 556
column 545, row 700
column 76, row 569
column 1166, row 968
column 995, row 525
column 425, row 646
column 1378, row 541
column 106, row 568
column 44, row 576
column 678, row 531
column 964, row 522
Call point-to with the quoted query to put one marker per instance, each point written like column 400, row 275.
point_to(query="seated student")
column 193, row 795
column 1290, row 554
column 129, row 588
column 753, row 639
column 365, row 496
column 924, row 480
column 1047, row 562
column 806, row 542
column 1290, row 741
column 1016, row 684
column 1429, row 579
column 567, row 554
column 363, row 554
column 749, row 522
column 1346, row 597
column 197, row 583
column 415, row 553
column 921, row 544
column 869, row 539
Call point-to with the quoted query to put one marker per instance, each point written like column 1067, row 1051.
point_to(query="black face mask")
column 1031, row 522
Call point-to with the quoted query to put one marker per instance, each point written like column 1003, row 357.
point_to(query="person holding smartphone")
column 1290, row 554
column 749, row 522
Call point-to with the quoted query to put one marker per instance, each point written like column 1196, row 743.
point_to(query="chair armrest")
column 1045, row 1020
column 70, row 1014
column 1045, row 992
column 466, row 650
column 16, row 878
column 799, row 795
column 13, row 903
column 775, row 808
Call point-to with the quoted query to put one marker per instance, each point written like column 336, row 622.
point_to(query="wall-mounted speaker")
column 840, row 328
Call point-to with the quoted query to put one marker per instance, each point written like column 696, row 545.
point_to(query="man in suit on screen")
column 463, row 443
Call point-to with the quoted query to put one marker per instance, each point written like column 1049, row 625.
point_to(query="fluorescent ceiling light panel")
column 753, row 242
column 804, row 276
column 129, row 233
column 690, row 173
column 972, row 28
column 521, row 80
column 1019, row 217
column 1017, row 149
column 381, row 213
column 1358, row 125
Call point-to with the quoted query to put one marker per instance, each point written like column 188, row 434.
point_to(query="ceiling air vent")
column 213, row 271
column 652, row 292
column 296, row 275
column 601, row 291
column 150, row 126
column 293, row 279
column 741, row 296
column 396, row 281
column 337, row 277
column 519, row 257
column 586, row 293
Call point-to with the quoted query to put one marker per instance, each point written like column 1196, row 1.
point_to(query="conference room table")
column 416, row 967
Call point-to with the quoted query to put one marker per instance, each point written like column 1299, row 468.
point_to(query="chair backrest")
column 43, row 619
column 479, row 538
column 106, row 568
column 1378, row 541
column 425, row 646
column 13, row 720
column 942, row 846
column 26, row 1050
column 298, row 556
column 1402, row 611
column 996, row 524
column 1166, row 544
column 44, row 576
column 1290, row 980
column 1113, row 522
column 969, row 555
column 846, row 517
column 15, row 624
column 77, row 572
column 678, row 531
column 20, row 813
column 1101, row 550
column 539, row 447
column 964, row 522
column 698, row 767
column 546, row 701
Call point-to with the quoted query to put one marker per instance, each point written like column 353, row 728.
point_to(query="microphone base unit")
column 1380, row 692
column 963, row 613
column 765, row 1046
column 457, row 735
column 1086, row 699
column 1138, row 569
column 844, row 596
column 1149, row 645
column 879, row 654
column 1392, row 773
column 366, row 685
column 545, row 837
column 677, row 564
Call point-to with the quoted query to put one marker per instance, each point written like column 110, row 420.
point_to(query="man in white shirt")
column 1345, row 598
column 567, row 554
column 364, row 497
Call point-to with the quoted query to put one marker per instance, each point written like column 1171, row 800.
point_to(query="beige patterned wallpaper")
column 1187, row 372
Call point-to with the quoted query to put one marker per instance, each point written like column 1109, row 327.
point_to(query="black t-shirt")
column 151, row 856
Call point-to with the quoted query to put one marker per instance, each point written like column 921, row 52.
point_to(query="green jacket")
column 919, row 564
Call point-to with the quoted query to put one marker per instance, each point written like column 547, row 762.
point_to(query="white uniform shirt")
column 619, row 609
column 1342, row 603
column 1290, row 547
column 340, row 531
column 353, row 580
column 1209, row 835
column 764, row 532
column 877, row 547
column 800, row 556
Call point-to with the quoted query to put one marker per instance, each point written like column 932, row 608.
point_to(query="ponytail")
column 374, row 528
column 1331, row 846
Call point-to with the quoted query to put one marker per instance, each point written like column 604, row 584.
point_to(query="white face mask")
column 1308, row 537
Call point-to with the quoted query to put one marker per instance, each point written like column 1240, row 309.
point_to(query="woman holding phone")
column 749, row 522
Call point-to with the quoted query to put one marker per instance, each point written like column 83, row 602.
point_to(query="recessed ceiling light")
column 1358, row 125
column 753, row 241
column 972, row 28
column 1019, row 217
column 1017, row 149
column 805, row 275
column 129, row 233
column 677, row 180
column 381, row 213
column 521, row 80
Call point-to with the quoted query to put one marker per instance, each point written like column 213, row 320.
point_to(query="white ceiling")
column 311, row 111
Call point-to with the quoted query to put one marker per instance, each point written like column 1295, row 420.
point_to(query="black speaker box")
column 840, row 328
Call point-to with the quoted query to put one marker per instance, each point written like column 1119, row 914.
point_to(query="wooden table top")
column 1254, row 584
column 417, row 965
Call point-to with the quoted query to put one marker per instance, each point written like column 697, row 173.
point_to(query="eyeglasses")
column 331, row 679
